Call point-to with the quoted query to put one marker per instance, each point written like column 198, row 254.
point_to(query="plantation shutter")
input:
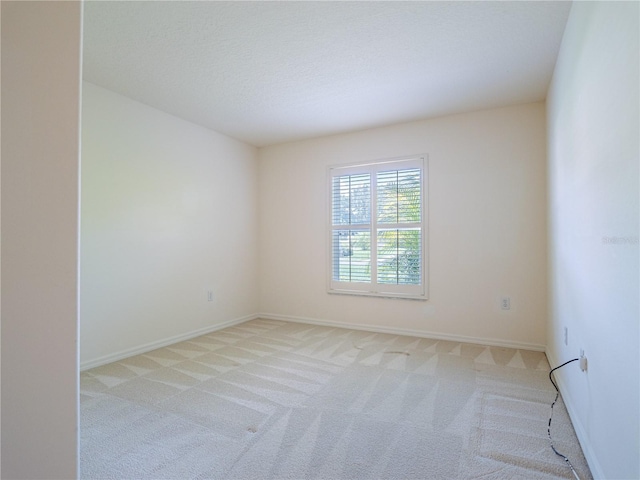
column 377, row 229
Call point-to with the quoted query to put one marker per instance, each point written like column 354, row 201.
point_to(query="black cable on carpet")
column 549, row 427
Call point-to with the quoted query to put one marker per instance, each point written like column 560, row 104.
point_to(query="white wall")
column 487, row 227
column 168, row 212
column 40, row 157
column 593, row 155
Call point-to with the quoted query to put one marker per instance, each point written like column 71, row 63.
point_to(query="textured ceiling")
column 272, row 72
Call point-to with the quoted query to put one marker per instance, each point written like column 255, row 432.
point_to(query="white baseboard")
column 130, row 352
column 581, row 433
column 405, row 331
column 114, row 357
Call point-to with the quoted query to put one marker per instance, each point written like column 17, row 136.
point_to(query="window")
column 377, row 233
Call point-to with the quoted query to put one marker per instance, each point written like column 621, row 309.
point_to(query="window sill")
column 395, row 296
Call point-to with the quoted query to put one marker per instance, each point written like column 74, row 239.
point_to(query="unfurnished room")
column 324, row 239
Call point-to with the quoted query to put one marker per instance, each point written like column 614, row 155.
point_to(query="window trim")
column 374, row 289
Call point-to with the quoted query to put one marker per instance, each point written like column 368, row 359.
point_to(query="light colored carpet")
column 276, row 400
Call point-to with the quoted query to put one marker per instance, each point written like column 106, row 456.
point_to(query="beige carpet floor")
column 276, row 400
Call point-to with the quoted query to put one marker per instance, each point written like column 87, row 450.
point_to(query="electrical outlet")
column 505, row 303
column 583, row 361
column 566, row 336
column 209, row 295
